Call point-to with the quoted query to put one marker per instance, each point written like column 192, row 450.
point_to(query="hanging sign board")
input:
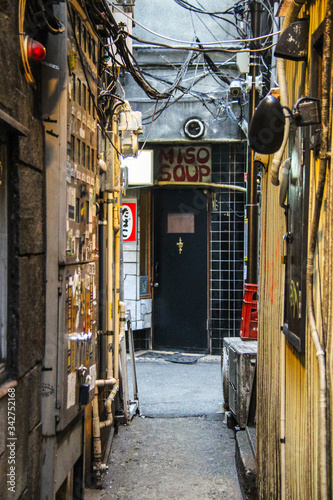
column 184, row 164
column 129, row 221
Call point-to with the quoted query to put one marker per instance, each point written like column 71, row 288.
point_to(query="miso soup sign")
column 184, row 164
column 129, row 221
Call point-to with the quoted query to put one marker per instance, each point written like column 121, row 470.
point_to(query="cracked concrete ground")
column 181, row 449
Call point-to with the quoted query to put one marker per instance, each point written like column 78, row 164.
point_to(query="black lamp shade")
column 267, row 126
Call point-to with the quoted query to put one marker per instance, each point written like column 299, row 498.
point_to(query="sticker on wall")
column 129, row 221
column 92, row 373
column 71, row 193
column 143, row 285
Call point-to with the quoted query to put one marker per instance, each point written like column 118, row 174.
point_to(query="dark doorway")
column 180, row 269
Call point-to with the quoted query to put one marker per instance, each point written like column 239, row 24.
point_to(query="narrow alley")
column 166, row 249
column 180, row 446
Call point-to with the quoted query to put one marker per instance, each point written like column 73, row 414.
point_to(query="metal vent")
column 194, row 128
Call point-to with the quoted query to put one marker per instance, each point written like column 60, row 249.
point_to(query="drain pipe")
column 98, row 466
column 291, row 16
column 283, row 417
column 109, row 284
column 314, row 227
column 108, row 407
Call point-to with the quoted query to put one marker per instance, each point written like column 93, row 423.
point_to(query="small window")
column 180, row 223
column 79, row 90
column 78, row 150
column 92, row 153
column 72, row 152
column 77, row 210
column 89, row 103
column 78, row 29
column 84, row 36
column 83, row 156
column 89, row 45
column 88, row 157
column 94, row 52
column 84, row 96
column 73, row 87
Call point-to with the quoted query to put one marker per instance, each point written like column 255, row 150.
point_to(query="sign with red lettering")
column 129, row 221
column 184, row 164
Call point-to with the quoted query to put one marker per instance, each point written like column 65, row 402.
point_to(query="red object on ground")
column 249, row 324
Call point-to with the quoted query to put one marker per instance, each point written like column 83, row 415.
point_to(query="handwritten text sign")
column 185, row 164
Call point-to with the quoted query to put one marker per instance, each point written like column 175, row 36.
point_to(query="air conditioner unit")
column 238, row 364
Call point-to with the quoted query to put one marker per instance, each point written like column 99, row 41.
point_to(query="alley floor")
column 180, row 446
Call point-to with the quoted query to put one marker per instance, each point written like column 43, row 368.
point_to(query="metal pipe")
column 98, row 466
column 108, row 407
column 105, row 382
column 117, row 290
column 110, row 281
column 123, row 359
column 283, row 417
column 201, row 184
column 252, row 170
column 314, row 227
column 290, row 17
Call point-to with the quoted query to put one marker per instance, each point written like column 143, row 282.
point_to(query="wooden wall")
column 302, row 421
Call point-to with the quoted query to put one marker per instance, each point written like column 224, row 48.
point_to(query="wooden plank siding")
column 302, row 382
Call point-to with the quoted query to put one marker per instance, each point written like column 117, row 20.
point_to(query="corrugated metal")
column 302, row 424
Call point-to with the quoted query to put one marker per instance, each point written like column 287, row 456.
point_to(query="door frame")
column 207, row 193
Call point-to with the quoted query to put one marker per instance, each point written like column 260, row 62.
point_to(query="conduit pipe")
column 123, row 359
column 98, row 466
column 117, row 288
column 314, row 227
column 283, row 417
column 110, row 281
column 103, row 383
column 291, row 16
column 108, row 407
column 201, row 184
column 122, row 320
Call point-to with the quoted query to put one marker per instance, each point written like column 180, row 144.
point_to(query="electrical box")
column 238, row 365
column 72, row 180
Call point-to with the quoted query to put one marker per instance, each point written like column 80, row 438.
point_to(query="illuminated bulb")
column 36, row 51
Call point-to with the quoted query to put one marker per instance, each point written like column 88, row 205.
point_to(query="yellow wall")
column 302, row 422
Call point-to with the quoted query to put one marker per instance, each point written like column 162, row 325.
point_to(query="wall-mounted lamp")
column 293, row 41
column 267, row 126
column 307, row 111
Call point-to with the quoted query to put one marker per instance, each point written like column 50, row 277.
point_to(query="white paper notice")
column 71, row 389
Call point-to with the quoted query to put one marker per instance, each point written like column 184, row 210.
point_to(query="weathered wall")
column 301, row 370
column 26, row 251
column 140, row 308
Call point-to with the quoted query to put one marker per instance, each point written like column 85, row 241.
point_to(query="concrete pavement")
column 180, row 447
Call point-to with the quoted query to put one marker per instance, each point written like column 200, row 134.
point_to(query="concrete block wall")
column 26, row 268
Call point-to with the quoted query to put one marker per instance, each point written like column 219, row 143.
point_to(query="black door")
column 180, row 269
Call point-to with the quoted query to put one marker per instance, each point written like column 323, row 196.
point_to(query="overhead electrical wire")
column 203, row 49
column 106, row 28
column 128, row 60
column 218, row 42
column 241, row 33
